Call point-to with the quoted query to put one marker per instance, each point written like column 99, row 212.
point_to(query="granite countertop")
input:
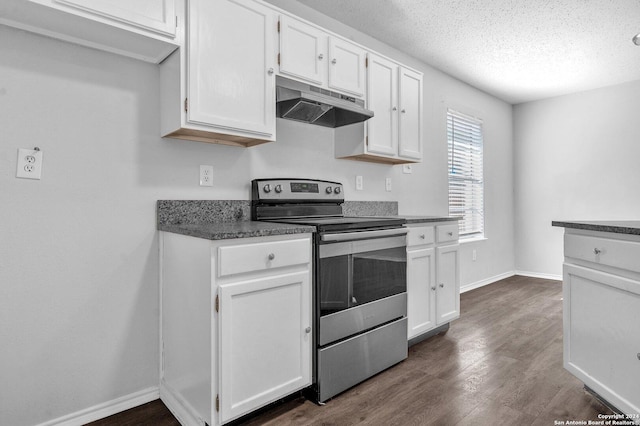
column 239, row 229
column 226, row 219
column 631, row 227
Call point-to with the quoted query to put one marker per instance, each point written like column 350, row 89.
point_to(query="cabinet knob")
column 441, row 285
column 422, row 237
column 597, row 251
column 307, row 330
column 433, row 288
column 271, row 256
column 403, row 110
column 270, row 71
column 320, row 56
column 334, row 61
column 638, row 355
column 394, row 109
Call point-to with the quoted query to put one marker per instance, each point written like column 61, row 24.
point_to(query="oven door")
column 362, row 280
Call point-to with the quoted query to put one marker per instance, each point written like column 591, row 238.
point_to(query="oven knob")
column 329, row 190
column 267, row 188
column 278, row 188
column 337, row 190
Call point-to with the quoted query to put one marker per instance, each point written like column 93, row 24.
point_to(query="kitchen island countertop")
column 630, row 227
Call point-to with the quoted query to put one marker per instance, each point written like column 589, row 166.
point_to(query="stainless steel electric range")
column 360, row 299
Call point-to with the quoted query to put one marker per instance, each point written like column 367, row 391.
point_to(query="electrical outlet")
column 387, row 184
column 407, row 169
column 359, row 183
column 29, row 165
column 206, row 175
column 473, row 254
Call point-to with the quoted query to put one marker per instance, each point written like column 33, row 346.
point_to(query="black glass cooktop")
column 326, row 224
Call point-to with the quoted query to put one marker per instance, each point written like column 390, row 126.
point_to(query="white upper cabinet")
column 309, row 54
column 394, row 134
column 346, row 67
column 382, row 96
column 231, row 68
column 411, row 113
column 394, row 94
column 150, row 15
column 142, row 29
column 221, row 87
column 303, row 51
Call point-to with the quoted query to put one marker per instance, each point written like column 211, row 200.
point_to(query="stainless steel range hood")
column 309, row 104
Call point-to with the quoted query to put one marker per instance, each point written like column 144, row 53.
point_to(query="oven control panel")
column 296, row 189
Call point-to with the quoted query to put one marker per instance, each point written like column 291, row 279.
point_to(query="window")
column 466, row 185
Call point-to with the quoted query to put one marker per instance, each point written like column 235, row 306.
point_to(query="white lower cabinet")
column 433, row 278
column 264, row 348
column 421, row 287
column 448, row 279
column 234, row 339
column 601, row 310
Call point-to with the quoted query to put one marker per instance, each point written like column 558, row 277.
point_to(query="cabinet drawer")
column 604, row 251
column 251, row 257
column 420, row 235
column 446, row 233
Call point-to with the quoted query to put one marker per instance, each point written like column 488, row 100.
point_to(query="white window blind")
column 466, row 185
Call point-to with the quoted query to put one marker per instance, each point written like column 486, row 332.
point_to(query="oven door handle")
column 350, row 236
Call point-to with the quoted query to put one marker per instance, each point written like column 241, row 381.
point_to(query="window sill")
column 472, row 240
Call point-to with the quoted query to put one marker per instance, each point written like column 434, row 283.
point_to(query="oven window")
column 379, row 274
column 354, row 279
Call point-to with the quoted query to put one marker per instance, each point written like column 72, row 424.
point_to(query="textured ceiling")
column 517, row 50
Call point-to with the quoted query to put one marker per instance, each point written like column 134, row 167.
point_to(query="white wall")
column 576, row 158
column 79, row 252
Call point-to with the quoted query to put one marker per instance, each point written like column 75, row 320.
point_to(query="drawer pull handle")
column 441, row 285
column 307, row 330
column 597, row 251
column 450, row 234
column 422, row 237
column 271, row 256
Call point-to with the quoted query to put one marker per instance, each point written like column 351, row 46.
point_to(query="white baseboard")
column 179, row 407
column 540, row 275
column 487, row 281
column 106, row 409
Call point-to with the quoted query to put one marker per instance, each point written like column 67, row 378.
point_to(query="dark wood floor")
column 499, row 364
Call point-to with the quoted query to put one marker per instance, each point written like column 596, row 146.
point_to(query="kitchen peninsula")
column 601, row 309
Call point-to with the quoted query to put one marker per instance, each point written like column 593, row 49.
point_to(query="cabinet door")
column 382, row 99
column 265, row 341
column 448, row 280
column 303, row 51
column 346, row 67
column 602, row 334
column 421, row 291
column 231, row 65
column 411, row 114
column 152, row 15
